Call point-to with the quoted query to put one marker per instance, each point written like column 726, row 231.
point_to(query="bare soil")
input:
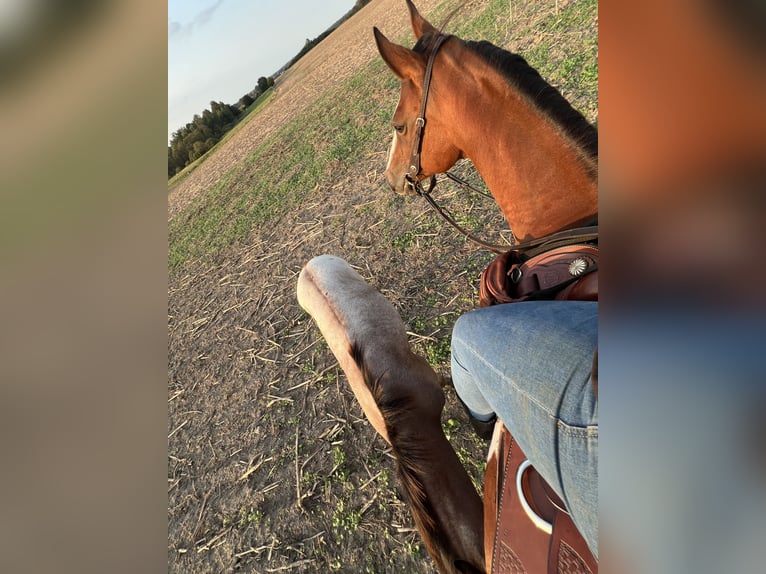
column 271, row 464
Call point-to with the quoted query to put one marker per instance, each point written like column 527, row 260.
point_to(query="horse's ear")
column 420, row 25
column 403, row 62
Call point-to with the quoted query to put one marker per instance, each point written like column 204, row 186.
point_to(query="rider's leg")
column 530, row 363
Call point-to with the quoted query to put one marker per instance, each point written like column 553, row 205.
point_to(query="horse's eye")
column 400, row 128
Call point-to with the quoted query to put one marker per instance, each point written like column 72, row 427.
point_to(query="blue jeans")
column 530, row 363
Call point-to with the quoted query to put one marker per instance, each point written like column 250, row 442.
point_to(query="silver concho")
column 577, row 267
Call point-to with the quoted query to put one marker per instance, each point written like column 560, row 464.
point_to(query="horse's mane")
column 527, row 80
column 409, row 459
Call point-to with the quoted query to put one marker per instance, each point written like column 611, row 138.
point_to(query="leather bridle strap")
column 492, row 247
column 588, row 234
column 420, row 122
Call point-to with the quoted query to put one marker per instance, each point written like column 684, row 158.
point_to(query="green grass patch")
column 345, row 520
column 490, row 25
column 570, row 63
column 325, row 142
column 243, row 518
column 438, row 353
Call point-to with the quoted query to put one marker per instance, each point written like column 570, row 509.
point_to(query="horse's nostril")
column 391, row 180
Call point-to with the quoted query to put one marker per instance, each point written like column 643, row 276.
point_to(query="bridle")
column 414, row 168
column 566, row 237
column 420, row 122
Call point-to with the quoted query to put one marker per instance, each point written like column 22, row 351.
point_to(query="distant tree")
column 198, row 150
column 263, row 84
column 245, row 101
column 199, row 135
column 172, row 166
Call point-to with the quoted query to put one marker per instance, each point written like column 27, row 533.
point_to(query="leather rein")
column 567, row 237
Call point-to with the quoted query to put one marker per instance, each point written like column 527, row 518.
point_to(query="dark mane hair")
column 409, row 462
column 527, row 80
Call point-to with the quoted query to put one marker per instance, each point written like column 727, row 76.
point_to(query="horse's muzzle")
column 401, row 185
column 409, row 187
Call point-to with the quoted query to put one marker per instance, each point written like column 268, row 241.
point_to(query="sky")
column 217, row 49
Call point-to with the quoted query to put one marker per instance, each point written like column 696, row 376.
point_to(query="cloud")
column 176, row 29
column 207, row 14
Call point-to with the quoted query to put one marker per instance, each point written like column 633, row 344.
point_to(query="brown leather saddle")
column 527, row 528
column 565, row 273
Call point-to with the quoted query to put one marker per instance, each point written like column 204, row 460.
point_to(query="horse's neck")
column 538, row 178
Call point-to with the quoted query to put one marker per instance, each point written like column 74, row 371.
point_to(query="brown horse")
column 537, row 154
column 538, row 158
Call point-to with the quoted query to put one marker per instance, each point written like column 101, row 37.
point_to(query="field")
column 271, row 464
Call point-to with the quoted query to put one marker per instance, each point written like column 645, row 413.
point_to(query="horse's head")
column 437, row 152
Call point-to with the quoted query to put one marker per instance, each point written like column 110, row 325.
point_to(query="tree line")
column 193, row 140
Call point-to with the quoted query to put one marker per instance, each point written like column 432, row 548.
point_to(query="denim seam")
column 589, row 431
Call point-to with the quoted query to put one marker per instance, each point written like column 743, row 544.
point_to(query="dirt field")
column 271, row 464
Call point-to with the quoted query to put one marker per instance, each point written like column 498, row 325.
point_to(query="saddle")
column 527, row 528
column 564, row 273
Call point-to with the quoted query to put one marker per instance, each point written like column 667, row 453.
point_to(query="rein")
column 586, row 234
column 426, row 194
